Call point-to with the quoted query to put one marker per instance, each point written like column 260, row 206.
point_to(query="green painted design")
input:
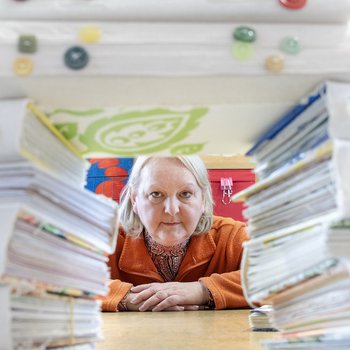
column 68, row 130
column 89, row 112
column 140, row 132
column 187, row 149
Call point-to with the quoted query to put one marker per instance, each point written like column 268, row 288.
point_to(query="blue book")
column 287, row 119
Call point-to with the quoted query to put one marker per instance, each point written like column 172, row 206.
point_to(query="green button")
column 290, row 45
column 245, row 34
column 27, row 44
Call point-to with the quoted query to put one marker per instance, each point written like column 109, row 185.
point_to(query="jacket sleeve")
column 117, row 288
column 117, row 291
column 226, row 287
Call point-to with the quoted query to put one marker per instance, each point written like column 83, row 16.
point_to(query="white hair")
column 130, row 220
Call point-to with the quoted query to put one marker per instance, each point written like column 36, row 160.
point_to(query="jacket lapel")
column 199, row 252
column 135, row 260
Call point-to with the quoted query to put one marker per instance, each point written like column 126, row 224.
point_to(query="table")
column 222, row 329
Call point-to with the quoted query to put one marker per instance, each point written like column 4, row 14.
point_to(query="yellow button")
column 23, row 66
column 90, row 34
column 242, row 51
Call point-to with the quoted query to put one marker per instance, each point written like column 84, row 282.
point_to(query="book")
column 92, row 224
column 33, row 137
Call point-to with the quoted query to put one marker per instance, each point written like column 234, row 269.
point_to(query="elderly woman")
column 172, row 253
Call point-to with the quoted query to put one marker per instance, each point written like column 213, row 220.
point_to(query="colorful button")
column 274, row 63
column 242, row 51
column 245, row 34
column 76, row 58
column 23, row 66
column 293, row 4
column 90, row 34
column 27, row 44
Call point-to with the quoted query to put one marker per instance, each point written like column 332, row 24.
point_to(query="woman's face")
column 168, row 201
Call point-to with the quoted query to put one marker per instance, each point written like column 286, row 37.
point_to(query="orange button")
column 274, row 63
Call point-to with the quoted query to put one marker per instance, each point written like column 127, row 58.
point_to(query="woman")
column 172, row 254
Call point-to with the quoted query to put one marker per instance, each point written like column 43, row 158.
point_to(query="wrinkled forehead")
column 160, row 162
column 162, row 165
column 163, row 170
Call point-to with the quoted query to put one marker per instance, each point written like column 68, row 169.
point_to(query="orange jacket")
column 213, row 258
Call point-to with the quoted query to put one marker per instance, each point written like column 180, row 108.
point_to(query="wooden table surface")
column 226, row 329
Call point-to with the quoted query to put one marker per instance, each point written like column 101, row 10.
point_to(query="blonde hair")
column 130, row 220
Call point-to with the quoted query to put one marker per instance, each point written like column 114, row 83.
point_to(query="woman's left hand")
column 170, row 296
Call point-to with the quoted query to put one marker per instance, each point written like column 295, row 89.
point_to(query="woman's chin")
column 170, row 240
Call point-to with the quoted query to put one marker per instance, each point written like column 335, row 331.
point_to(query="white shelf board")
column 256, row 101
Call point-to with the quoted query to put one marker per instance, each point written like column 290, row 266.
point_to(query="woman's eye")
column 155, row 195
column 186, row 194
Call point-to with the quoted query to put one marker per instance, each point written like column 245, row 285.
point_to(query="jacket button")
column 76, row 58
column 290, row 45
column 245, row 34
column 293, row 4
column 23, row 66
column 27, row 44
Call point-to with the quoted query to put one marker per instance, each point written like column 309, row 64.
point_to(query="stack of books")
column 298, row 214
column 56, row 238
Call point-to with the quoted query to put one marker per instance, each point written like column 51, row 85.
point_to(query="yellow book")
column 28, row 134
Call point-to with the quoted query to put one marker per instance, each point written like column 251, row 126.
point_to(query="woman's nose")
column 171, row 206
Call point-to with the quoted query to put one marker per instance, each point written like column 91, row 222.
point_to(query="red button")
column 293, row 4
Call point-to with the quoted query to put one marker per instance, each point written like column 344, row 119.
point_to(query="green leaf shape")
column 68, row 130
column 187, row 149
column 85, row 113
column 140, row 132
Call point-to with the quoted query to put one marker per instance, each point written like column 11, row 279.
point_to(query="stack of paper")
column 55, row 240
column 47, row 320
column 259, row 319
column 298, row 214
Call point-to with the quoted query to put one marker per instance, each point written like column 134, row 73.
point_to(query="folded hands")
column 169, row 296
